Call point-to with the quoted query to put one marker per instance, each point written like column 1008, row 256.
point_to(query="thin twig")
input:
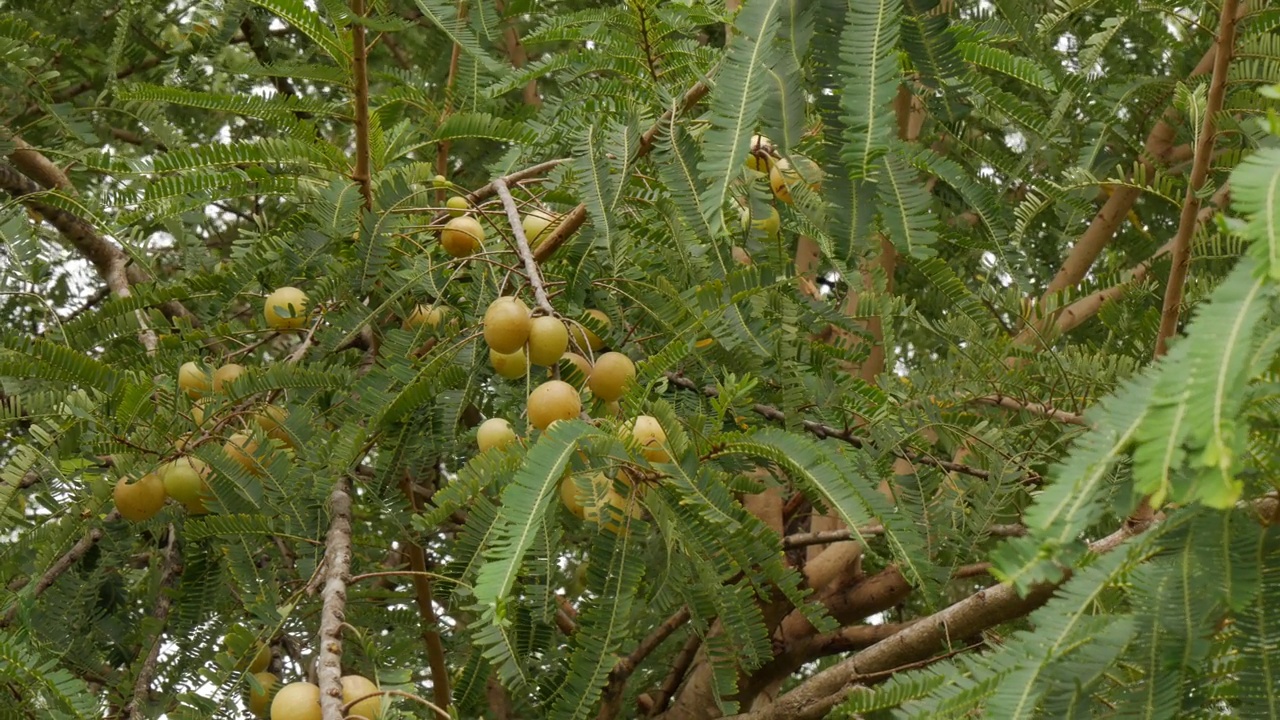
column 63, row 564
column 522, row 246
column 399, row 693
column 337, row 558
column 423, row 594
column 1012, row 403
column 164, row 603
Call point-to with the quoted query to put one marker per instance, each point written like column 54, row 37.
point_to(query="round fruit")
column 784, row 173
column 440, row 181
column 457, row 205
column 297, row 701
column 141, row 500
column 649, row 434
column 536, row 224
column 611, row 375
column 226, row 374
column 511, row 366
column 551, row 401
column 426, row 316
column 261, row 660
column 494, row 433
column 760, row 154
column 241, row 447
column 579, row 362
column 576, row 499
column 584, row 338
column 271, row 419
column 769, row 225
column 198, row 411
column 259, row 699
column 184, row 479
column 286, row 309
column 193, row 379
column 355, row 687
column 594, row 510
column 462, row 236
column 507, row 324
column 548, row 339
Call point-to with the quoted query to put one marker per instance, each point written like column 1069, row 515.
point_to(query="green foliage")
column 885, row 363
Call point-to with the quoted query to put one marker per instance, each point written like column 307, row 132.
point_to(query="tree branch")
column 1225, row 46
column 1005, row 401
column 611, row 704
column 337, row 559
column 360, row 78
column 522, row 245
column 676, row 675
column 164, row 603
column 63, row 564
column 440, row 683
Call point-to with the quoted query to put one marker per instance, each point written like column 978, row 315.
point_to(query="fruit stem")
column 522, row 246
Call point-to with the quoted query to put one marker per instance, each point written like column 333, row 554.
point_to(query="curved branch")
column 63, row 564
column 611, row 704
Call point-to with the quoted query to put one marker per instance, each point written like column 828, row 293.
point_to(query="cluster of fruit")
column 185, row 478
column 301, row 700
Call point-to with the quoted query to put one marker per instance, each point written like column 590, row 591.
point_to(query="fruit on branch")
column 242, row 447
column 260, row 696
column 580, row 363
column 440, row 181
column 271, row 419
column 551, row 401
column 576, row 499
column 610, row 508
column 770, row 225
column 426, row 316
column 760, row 155
column 286, row 309
column 611, row 376
column 537, row 225
column 511, row 366
column 457, row 206
column 494, row 433
column 648, row 433
column 297, row 701
column 355, row 687
column 786, row 173
column 141, row 500
column 193, row 379
column 584, row 337
column 548, row 340
column 225, row 375
column 507, row 324
column 199, row 410
column 462, row 236
column 184, row 479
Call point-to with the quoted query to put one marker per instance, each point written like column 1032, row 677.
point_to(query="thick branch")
column 1199, row 172
column 522, row 245
column 678, row 670
column 611, row 704
column 164, row 603
column 337, row 559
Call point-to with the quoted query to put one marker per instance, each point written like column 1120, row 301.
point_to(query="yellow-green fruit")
column 297, row 701
column 199, row 411
column 760, row 154
column 184, row 479
column 611, row 375
column 538, row 224
column 457, row 205
column 584, row 338
column 271, row 419
column 548, row 339
column 355, row 687
column 511, row 366
column 241, row 447
column 648, row 432
column 494, row 433
column 770, row 225
column 790, row 172
column 260, row 699
column 594, row 510
column 507, row 324
column 286, row 309
column 426, row 316
column 462, row 236
column 193, row 379
column 576, row 499
column 140, row 500
column 261, row 660
column 582, row 364
column 551, row 401
column 180, row 443
column 224, row 375
column 440, row 181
